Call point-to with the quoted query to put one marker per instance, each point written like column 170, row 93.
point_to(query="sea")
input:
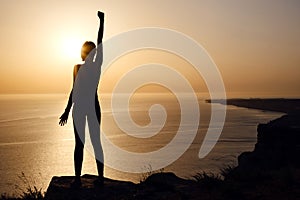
column 34, row 148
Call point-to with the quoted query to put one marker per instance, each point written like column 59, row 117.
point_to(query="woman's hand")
column 100, row 15
column 63, row 118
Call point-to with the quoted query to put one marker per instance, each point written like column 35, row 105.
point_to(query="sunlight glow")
column 71, row 47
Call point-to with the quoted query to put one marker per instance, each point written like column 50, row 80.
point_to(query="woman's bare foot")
column 99, row 182
column 76, row 183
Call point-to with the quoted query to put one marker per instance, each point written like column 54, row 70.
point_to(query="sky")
column 255, row 44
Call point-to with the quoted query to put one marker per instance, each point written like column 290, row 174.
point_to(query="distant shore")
column 275, row 105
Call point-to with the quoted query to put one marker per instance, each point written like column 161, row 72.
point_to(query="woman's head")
column 87, row 47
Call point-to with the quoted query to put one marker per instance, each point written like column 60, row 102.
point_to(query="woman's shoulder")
column 77, row 66
column 76, row 69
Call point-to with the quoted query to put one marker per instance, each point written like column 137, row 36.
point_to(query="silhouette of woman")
column 86, row 104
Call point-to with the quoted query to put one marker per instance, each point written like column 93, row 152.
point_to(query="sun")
column 71, row 47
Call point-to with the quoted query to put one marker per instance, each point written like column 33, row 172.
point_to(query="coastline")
column 269, row 104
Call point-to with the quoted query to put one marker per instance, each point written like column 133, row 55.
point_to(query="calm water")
column 31, row 141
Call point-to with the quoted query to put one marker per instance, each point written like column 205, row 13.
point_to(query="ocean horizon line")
column 205, row 95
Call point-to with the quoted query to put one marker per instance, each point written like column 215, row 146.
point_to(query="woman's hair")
column 89, row 44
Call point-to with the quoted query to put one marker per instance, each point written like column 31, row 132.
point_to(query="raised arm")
column 99, row 56
column 101, row 27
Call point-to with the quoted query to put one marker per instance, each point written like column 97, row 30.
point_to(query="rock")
column 59, row 188
column 278, row 144
column 156, row 186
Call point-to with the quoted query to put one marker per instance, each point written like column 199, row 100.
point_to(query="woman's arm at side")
column 64, row 117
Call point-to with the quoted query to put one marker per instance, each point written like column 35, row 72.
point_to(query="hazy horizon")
column 200, row 95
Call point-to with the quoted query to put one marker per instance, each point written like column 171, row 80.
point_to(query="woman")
column 86, row 104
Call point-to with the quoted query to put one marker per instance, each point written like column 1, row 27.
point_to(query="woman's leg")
column 79, row 120
column 96, row 141
column 94, row 130
column 78, row 152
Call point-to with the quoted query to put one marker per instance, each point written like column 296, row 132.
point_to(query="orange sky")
column 254, row 43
